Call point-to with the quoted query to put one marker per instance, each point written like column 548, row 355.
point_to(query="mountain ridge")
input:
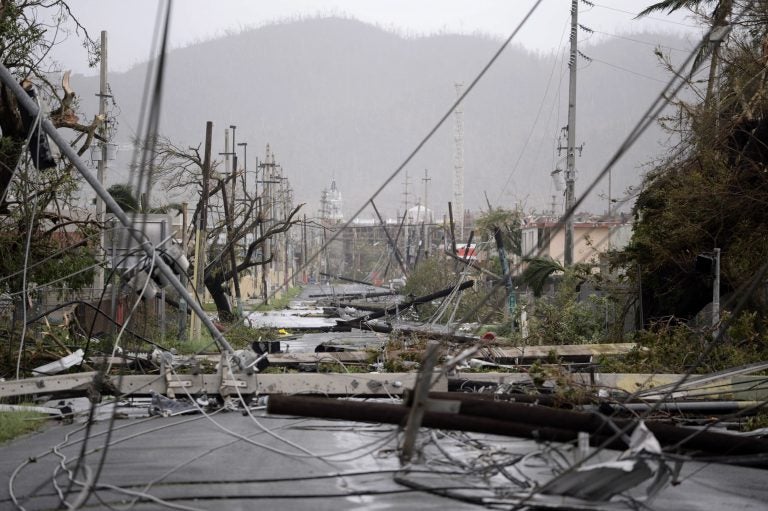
column 339, row 98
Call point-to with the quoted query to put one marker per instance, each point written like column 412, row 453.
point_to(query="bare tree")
column 180, row 170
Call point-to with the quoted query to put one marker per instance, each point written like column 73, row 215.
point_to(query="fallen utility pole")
column 347, row 279
column 402, row 306
column 353, row 295
column 519, row 420
column 432, row 332
column 29, row 105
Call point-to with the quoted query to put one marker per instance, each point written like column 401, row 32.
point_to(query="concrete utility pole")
column 425, row 234
column 229, row 213
column 406, row 233
column 570, row 172
column 233, row 216
column 267, row 175
column 102, row 167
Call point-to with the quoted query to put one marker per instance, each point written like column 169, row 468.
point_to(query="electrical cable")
column 35, row 128
column 536, row 120
column 419, row 145
column 145, row 169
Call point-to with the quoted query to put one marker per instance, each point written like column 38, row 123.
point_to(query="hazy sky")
column 130, row 24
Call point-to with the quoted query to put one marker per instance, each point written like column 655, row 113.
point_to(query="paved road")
column 228, row 461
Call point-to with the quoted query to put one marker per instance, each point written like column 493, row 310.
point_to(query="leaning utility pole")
column 201, row 238
column 406, row 237
column 102, row 168
column 570, row 172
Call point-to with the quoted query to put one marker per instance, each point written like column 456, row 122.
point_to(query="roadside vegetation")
column 15, row 424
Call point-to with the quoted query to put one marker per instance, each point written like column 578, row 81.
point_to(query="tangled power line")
column 87, row 479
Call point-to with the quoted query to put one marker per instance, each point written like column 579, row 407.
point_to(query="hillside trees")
column 713, row 190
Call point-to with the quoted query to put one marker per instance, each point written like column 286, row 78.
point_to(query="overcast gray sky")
column 130, row 24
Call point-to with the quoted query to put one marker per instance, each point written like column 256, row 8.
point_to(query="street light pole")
column 245, row 155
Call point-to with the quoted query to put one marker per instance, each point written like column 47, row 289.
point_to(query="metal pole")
column 570, row 173
column 102, row 167
column 182, row 302
column 29, row 105
column 716, row 291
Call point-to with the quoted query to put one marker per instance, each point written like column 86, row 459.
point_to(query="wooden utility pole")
column 201, row 238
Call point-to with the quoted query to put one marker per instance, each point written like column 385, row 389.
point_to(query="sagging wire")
column 111, row 443
column 34, row 128
column 652, row 112
column 88, row 435
column 538, row 114
column 197, row 457
column 304, row 452
column 419, row 145
column 151, row 139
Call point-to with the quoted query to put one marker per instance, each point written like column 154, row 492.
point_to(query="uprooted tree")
column 244, row 226
column 44, row 237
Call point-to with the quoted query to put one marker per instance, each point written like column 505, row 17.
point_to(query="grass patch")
column 14, row 424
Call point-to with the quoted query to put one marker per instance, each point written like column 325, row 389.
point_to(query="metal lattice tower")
column 458, row 165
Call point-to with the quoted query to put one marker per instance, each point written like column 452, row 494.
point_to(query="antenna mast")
column 458, row 165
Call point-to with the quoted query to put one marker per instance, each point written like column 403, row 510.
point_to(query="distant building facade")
column 592, row 235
